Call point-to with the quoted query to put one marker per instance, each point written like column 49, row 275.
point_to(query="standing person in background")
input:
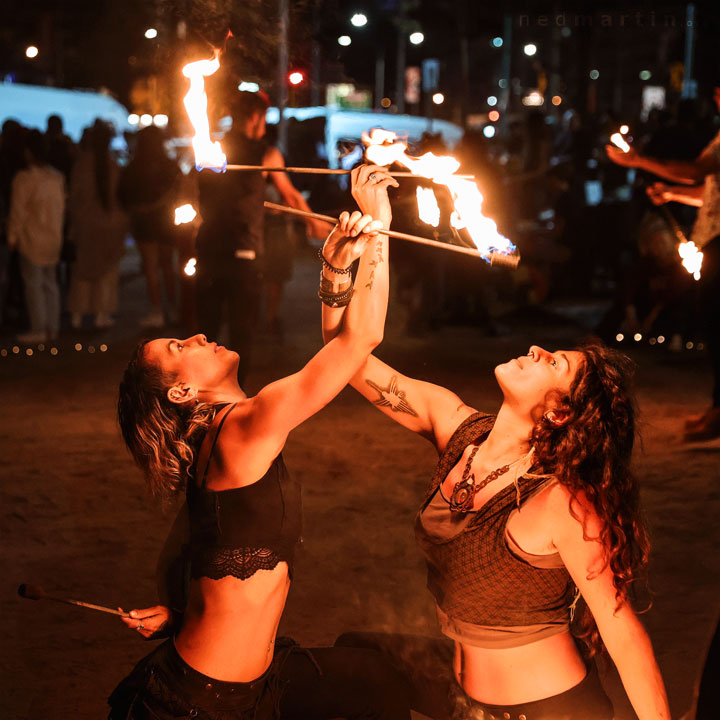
column 97, row 230
column 35, row 225
column 147, row 191
column 230, row 244
column 699, row 186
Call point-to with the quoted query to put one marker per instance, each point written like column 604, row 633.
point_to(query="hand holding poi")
column 369, row 188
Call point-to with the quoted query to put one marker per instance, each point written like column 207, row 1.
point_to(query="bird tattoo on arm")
column 391, row 397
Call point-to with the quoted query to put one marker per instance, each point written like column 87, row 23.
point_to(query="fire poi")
column 467, row 199
column 690, row 255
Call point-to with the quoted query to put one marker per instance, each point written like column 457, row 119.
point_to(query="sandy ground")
column 76, row 517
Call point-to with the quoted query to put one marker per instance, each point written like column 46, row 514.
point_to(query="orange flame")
column 185, row 214
column 382, row 148
column 208, row 154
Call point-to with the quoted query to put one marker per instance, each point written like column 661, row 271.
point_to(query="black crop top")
column 245, row 529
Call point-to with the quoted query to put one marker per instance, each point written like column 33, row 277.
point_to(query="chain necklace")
column 464, row 492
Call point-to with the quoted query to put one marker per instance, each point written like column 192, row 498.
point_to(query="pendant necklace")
column 464, row 492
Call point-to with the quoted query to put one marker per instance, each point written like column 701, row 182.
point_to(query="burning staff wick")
column 384, row 148
column 495, row 257
column 185, row 214
column 618, row 140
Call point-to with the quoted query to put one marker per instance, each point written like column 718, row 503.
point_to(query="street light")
column 31, row 52
column 359, row 20
column 530, row 49
column 416, row 38
column 151, row 33
column 296, row 77
column 344, row 40
column 438, row 98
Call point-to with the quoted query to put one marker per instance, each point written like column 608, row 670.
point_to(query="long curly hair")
column 590, row 455
column 163, row 437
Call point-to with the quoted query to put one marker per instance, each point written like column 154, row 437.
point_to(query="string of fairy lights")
column 50, row 349
column 674, row 344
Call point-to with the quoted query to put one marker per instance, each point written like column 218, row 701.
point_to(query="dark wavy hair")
column 162, row 436
column 590, row 455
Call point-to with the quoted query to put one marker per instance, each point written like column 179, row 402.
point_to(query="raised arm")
column 282, row 405
column 430, row 410
column 680, row 171
column 624, row 636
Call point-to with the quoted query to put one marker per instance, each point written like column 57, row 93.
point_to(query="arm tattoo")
column 392, row 397
column 374, row 263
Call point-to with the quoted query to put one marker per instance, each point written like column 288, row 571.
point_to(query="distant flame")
column 427, row 206
column 190, row 267
column 208, row 154
column 185, row 214
column 619, row 140
column 692, row 258
column 382, row 148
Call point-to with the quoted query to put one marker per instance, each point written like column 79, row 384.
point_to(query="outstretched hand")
column 658, row 193
column 149, row 622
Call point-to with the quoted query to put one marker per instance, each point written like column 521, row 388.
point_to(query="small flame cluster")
column 692, row 258
column 185, row 214
column 384, row 148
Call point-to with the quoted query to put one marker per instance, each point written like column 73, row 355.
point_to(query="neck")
column 229, row 392
column 510, row 437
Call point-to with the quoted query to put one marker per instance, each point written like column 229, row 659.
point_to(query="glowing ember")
column 428, row 207
column 619, row 140
column 382, row 148
column 208, row 154
column 185, row 214
column 190, row 267
column 692, row 258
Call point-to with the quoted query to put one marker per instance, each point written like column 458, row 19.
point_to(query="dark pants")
column 709, row 304
column 301, row 684
column 231, row 290
column 426, row 666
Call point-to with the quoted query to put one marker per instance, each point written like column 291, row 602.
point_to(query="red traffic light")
column 296, row 77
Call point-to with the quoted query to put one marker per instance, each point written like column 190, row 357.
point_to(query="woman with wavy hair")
column 190, row 427
column 532, row 537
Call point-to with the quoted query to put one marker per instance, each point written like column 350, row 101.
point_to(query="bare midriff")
column 229, row 627
column 510, row 676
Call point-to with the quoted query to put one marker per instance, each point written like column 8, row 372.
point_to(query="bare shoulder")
column 572, row 514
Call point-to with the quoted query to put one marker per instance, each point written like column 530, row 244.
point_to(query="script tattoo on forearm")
column 375, row 263
column 392, row 397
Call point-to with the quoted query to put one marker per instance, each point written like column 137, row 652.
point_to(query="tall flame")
column 382, row 148
column 208, row 154
column 692, row 258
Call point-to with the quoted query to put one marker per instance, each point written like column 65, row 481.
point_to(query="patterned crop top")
column 474, row 575
column 245, row 529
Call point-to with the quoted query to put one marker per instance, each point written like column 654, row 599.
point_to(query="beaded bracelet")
column 337, row 271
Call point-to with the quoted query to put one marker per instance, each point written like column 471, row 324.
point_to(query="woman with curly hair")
column 530, row 525
column 190, row 427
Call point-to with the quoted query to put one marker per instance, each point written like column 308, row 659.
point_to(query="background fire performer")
column 706, row 236
column 230, row 239
column 528, row 512
column 244, row 511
